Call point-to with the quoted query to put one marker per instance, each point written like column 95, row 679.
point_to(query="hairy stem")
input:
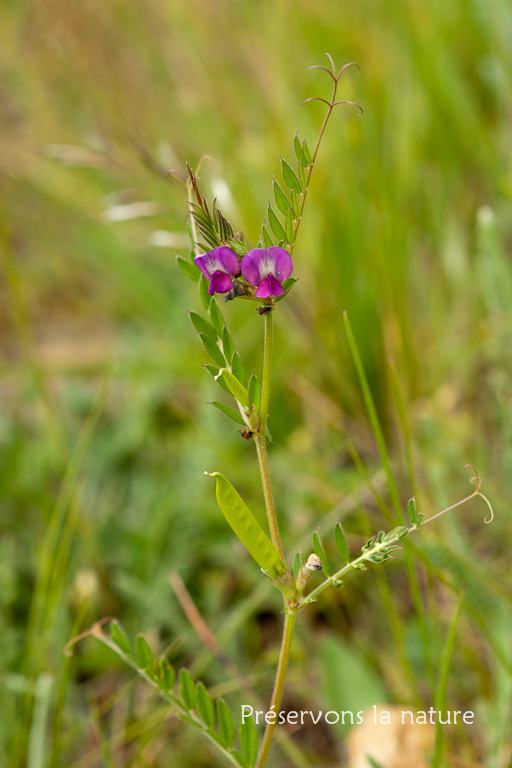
column 268, row 494
column 261, row 449
column 267, row 370
column 261, row 440
column 277, row 693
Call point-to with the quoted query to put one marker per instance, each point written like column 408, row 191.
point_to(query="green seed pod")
column 247, row 528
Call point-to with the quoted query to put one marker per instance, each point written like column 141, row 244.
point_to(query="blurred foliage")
column 105, row 431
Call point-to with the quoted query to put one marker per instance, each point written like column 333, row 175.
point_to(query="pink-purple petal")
column 259, row 263
column 264, row 268
column 220, row 283
column 250, row 266
column 276, row 288
column 269, row 286
column 228, row 260
column 220, row 259
column 264, row 289
column 283, row 266
column 203, row 263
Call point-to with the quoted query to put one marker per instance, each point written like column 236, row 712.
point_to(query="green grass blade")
column 374, row 419
column 440, row 694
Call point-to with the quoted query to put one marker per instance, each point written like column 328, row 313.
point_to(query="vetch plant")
column 223, row 266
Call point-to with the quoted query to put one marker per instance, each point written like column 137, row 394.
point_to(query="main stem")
column 261, row 449
column 261, row 440
column 289, row 621
column 277, row 693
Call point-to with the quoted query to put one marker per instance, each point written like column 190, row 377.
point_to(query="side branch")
column 330, row 106
column 390, row 542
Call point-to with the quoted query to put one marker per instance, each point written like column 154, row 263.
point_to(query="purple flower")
column 217, row 266
column 266, row 268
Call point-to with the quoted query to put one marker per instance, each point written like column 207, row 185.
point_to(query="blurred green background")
column 105, row 429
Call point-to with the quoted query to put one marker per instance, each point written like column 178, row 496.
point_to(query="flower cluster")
column 263, row 268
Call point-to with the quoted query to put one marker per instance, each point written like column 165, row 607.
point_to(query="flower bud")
column 313, row 563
